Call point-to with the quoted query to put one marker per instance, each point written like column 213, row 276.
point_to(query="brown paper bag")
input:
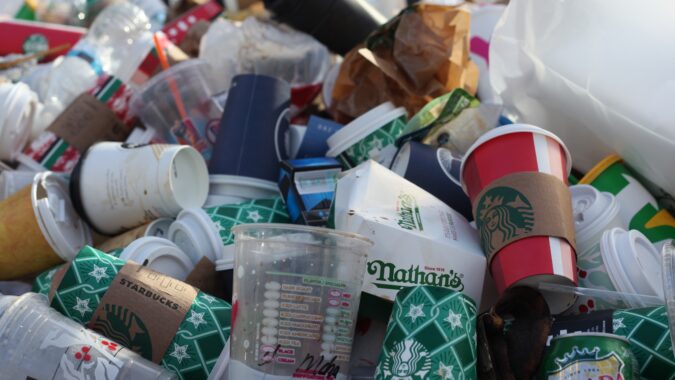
column 420, row 54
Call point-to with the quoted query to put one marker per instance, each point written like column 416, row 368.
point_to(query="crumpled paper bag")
column 420, row 54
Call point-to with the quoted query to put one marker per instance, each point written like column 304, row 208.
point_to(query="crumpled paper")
column 421, row 54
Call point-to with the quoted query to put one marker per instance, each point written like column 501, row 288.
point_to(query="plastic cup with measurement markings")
column 295, row 301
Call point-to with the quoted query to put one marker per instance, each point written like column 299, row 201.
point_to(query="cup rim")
column 509, row 129
column 363, row 126
column 599, row 168
column 302, row 228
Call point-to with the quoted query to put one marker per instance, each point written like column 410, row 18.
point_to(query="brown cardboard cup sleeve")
column 149, row 304
column 522, row 205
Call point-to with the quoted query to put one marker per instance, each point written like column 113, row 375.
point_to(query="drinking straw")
column 172, row 84
column 38, row 55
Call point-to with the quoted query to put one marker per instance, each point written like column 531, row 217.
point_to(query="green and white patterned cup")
column 197, row 343
column 372, row 135
column 648, row 332
column 43, row 282
column 431, row 335
column 208, row 232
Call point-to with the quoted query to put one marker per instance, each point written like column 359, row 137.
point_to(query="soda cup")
column 39, row 343
column 296, row 296
column 589, row 356
column 504, row 215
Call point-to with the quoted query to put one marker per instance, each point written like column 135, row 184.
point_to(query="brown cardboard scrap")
column 522, row 205
column 149, row 302
column 421, row 54
column 205, row 278
column 86, row 121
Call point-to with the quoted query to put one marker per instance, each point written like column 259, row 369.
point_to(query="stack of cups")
column 39, row 228
column 594, row 213
column 370, row 136
column 516, row 178
column 117, row 187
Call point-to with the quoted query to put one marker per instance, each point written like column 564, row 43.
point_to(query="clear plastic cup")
column 295, row 301
column 178, row 103
column 39, row 343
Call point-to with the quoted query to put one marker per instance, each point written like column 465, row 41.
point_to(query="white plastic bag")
column 597, row 73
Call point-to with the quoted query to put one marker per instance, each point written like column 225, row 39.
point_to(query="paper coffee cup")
column 158, row 228
column 594, row 213
column 507, row 151
column 432, row 330
column 435, row 170
column 162, row 256
column 39, row 228
column 117, row 187
column 207, row 232
column 370, row 136
column 230, row 189
column 639, row 209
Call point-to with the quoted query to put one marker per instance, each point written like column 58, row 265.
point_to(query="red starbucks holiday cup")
column 513, row 149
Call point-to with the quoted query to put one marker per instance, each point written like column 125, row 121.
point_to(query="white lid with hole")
column 61, row 226
column 633, row 263
column 361, row 127
column 162, row 255
column 593, row 211
column 231, row 189
column 159, row 228
column 196, row 235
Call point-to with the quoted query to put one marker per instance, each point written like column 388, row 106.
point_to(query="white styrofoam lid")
column 60, row 224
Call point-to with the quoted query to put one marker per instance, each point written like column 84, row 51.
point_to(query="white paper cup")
column 196, row 235
column 230, row 189
column 162, row 255
column 117, row 187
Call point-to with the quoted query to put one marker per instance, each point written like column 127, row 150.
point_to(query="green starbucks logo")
column 408, row 360
column 126, row 328
column 503, row 214
column 35, row 43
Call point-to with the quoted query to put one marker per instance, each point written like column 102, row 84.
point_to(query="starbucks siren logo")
column 503, row 214
column 35, row 43
column 408, row 360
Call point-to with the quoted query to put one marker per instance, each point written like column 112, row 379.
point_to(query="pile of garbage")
column 342, row 189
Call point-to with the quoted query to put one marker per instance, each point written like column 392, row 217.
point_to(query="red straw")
column 172, row 84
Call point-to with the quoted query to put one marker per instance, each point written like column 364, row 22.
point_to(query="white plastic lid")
column 159, row 228
column 162, row 255
column 508, row 129
column 668, row 257
column 18, row 104
column 196, row 235
column 61, row 226
column 230, row 189
column 591, row 209
column 362, row 126
column 633, row 263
